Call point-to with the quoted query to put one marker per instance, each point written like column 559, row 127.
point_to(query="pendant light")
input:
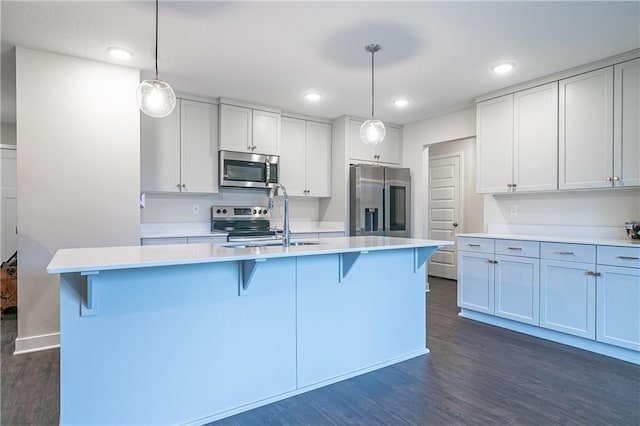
column 155, row 97
column 372, row 131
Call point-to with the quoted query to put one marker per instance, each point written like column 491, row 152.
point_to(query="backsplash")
column 179, row 207
column 600, row 213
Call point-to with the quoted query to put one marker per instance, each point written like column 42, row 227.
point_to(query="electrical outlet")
column 195, row 208
column 514, row 209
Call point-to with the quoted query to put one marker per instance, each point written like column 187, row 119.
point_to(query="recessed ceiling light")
column 312, row 96
column 503, row 67
column 401, row 102
column 120, row 53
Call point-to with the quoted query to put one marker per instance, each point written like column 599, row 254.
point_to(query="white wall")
column 161, row 208
column 448, row 127
column 78, row 173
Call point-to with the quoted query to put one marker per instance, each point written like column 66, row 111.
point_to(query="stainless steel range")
column 242, row 223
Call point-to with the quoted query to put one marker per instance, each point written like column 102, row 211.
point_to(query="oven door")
column 243, row 170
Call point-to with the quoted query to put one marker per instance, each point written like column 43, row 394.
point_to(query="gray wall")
column 78, row 130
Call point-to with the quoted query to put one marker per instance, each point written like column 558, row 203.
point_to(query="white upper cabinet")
column 305, row 163
column 535, row 139
column 495, row 145
column 245, row 129
column 586, row 130
column 160, row 152
column 626, row 116
column 236, row 128
column 389, row 151
column 179, row 152
column 199, row 147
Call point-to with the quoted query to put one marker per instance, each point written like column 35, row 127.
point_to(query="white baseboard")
column 43, row 342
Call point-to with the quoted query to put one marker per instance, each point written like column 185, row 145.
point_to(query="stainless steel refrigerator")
column 379, row 201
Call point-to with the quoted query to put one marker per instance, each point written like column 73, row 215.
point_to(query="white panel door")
column 292, row 157
column 199, row 147
column 586, row 130
column 535, row 139
column 9, row 223
column 318, row 159
column 568, row 297
column 390, row 148
column 618, row 306
column 495, row 145
column 358, row 150
column 235, row 128
column 626, row 115
column 266, row 132
column 444, row 213
column 160, row 152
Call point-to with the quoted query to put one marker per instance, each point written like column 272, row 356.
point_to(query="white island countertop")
column 553, row 239
column 127, row 257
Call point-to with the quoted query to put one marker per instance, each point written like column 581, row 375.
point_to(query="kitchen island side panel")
column 376, row 313
column 171, row 344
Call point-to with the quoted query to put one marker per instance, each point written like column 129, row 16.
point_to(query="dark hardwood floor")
column 475, row 374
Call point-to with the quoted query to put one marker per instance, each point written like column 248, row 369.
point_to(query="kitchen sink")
column 270, row 244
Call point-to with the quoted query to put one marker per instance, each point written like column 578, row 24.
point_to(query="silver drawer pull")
column 473, row 245
column 628, row 257
column 514, row 248
column 564, row 252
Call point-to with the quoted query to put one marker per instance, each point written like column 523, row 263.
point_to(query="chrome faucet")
column 285, row 232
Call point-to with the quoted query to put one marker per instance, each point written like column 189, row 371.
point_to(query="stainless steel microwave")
column 246, row 170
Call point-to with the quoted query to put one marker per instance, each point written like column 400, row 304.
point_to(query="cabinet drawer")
column 479, row 245
column 569, row 252
column 518, row 248
column 619, row 256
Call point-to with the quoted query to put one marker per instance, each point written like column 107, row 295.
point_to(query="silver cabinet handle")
column 184, row 186
column 616, row 178
column 178, row 186
column 514, row 248
column 473, row 245
column 455, row 224
column 564, row 252
column 628, row 257
column 509, row 185
column 590, row 273
column 492, row 261
column 608, row 178
column 597, row 274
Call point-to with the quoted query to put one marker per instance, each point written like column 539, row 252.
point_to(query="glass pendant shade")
column 156, row 98
column 372, row 132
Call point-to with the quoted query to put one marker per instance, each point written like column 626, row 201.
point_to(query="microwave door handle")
column 267, row 169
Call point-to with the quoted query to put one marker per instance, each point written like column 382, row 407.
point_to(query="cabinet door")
column 517, row 287
column 618, row 306
column 475, row 281
column 292, row 158
column 390, row 148
column 358, row 150
column 495, row 145
column 535, row 139
column 266, row 132
column 568, row 297
column 318, row 159
column 626, row 116
column 199, row 147
column 586, row 130
column 235, row 128
column 160, row 152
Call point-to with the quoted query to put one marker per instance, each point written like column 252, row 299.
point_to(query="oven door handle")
column 246, row 239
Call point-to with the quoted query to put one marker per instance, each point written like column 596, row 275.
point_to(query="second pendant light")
column 372, row 131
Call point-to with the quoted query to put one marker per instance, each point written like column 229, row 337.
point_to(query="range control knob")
column 218, row 211
column 224, row 211
column 254, row 211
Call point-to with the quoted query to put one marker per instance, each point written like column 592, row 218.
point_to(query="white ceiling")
column 438, row 54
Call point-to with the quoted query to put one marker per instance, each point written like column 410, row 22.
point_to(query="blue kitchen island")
column 187, row 334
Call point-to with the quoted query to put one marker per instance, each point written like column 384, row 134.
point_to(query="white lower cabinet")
column 567, row 297
column 557, row 289
column 475, row 281
column 517, row 288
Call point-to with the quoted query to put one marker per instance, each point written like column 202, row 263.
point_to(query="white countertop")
column 106, row 258
column 552, row 239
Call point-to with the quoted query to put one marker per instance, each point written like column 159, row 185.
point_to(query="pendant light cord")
column 156, row 39
column 372, row 85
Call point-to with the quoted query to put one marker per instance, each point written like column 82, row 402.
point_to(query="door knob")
column 455, row 224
